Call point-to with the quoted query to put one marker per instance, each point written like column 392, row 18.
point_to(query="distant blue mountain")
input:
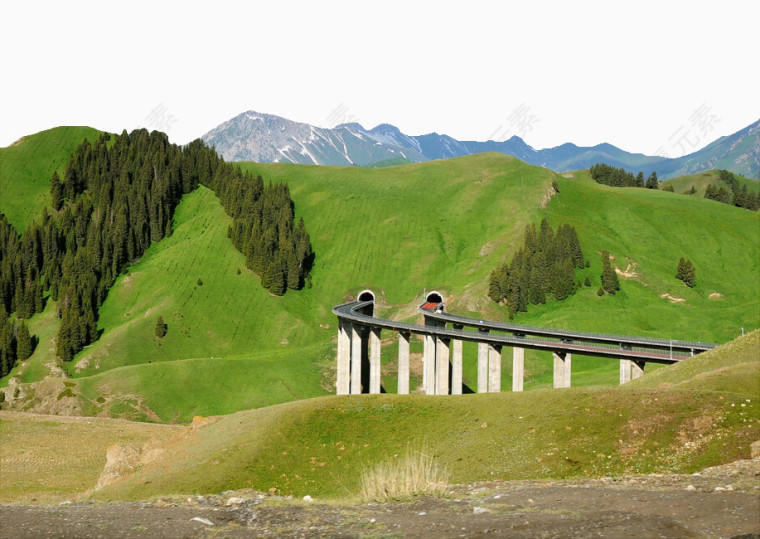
column 253, row 136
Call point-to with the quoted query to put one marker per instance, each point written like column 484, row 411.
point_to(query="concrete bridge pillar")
column 403, row 363
column 356, row 359
column 483, row 366
column 374, row 360
column 428, row 377
column 562, row 363
column 625, row 371
column 428, row 360
column 456, row 365
column 637, row 369
column 518, row 368
column 344, row 358
column 494, row 369
column 442, row 366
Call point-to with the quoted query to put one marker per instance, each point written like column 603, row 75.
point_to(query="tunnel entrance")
column 366, row 295
column 434, row 297
column 433, row 302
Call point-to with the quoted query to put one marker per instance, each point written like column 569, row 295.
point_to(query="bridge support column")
column 342, row 384
column 482, row 367
column 562, row 362
column 428, row 360
column 403, row 363
column 356, row 359
column 428, row 376
column 456, row 365
column 494, row 369
column 442, row 366
column 637, row 369
column 625, row 371
column 518, row 368
column 374, row 360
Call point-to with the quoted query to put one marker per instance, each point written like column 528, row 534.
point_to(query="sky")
column 662, row 77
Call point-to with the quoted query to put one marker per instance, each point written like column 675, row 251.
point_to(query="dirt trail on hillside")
column 719, row 502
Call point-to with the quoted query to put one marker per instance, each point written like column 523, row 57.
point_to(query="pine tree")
column 564, row 279
column 652, row 182
column 294, row 271
column 7, row 344
column 685, row 272
column 610, row 282
column 23, row 343
column 56, row 192
column 680, row 269
column 498, row 286
column 537, row 295
column 160, row 327
column 275, row 276
column 689, row 274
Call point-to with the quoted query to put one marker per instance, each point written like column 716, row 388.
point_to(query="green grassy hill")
column 700, row 181
column 320, row 446
column 540, row 434
column 733, row 367
column 399, row 230
column 229, row 334
column 647, row 232
column 27, row 165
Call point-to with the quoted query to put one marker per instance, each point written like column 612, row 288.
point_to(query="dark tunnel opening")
column 367, row 295
column 434, row 297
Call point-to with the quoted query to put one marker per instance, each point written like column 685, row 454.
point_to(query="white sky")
column 632, row 74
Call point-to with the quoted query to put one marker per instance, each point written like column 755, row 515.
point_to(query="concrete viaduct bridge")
column 359, row 349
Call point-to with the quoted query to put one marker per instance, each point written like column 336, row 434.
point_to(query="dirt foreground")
column 718, row 502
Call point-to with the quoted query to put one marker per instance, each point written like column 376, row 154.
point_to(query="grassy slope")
column 700, row 181
column 404, row 229
column 651, row 231
column 45, row 459
column 266, row 349
column 734, row 367
column 444, row 225
column 540, row 434
column 26, row 168
column 211, row 359
column 45, row 327
column 639, row 427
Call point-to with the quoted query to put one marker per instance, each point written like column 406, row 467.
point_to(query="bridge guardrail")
column 655, row 352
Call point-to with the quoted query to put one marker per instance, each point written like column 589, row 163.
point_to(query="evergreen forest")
column 736, row 194
column 118, row 194
column 543, row 267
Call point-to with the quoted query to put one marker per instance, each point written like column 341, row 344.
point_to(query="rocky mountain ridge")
column 266, row 138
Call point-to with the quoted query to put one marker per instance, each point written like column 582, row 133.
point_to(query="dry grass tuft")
column 414, row 474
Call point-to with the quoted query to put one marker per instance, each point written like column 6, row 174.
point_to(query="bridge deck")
column 441, row 316
column 560, row 341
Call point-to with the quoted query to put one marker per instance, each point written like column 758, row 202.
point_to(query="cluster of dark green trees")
column 117, row 196
column 738, row 196
column 544, row 266
column 685, row 272
column 264, row 230
column 620, row 177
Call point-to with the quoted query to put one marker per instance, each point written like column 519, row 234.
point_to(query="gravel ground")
column 718, row 502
